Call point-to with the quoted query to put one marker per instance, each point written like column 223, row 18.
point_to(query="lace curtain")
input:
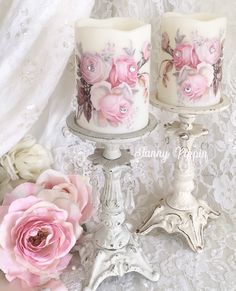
column 36, row 82
column 36, row 40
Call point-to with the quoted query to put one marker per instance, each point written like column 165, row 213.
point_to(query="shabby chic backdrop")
column 36, row 95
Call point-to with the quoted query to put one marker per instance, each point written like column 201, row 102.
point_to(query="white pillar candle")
column 191, row 59
column 112, row 74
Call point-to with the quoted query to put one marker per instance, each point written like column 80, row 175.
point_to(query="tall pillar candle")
column 112, row 74
column 191, row 59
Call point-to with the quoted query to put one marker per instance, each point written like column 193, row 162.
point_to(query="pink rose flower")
column 195, row 83
column 185, row 55
column 210, row 51
column 146, row 50
column 75, row 186
column 36, row 237
column 194, row 87
column 113, row 104
column 124, row 70
column 39, row 227
column 93, row 68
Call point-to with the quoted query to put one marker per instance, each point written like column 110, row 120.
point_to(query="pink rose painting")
column 209, row 51
column 195, row 83
column 113, row 105
column 39, row 225
column 93, row 69
column 185, row 55
column 197, row 65
column 107, row 84
column 124, row 70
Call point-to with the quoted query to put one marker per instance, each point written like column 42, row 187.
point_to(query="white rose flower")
column 27, row 160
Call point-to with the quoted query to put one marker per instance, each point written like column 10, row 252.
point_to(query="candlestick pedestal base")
column 107, row 263
column 181, row 211
column 190, row 222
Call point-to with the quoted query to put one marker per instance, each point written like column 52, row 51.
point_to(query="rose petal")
column 9, row 265
column 68, row 188
column 7, row 224
column 21, row 191
column 26, row 189
column 74, row 214
column 207, row 71
column 98, row 91
column 22, row 204
column 50, row 178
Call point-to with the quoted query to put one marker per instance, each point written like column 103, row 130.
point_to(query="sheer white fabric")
column 36, row 41
column 36, row 84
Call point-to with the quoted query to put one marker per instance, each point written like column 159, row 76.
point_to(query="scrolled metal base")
column 190, row 223
column 105, row 263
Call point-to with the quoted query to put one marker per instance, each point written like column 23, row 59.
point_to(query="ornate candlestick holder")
column 181, row 211
column 113, row 249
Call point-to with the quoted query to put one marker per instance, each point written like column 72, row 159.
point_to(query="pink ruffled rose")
column 113, row 104
column 75, row 186
column 146, row 50
column 124, row 70
column 93, row 68
column 36, row 237
column 196, row 83
column 38, row 228
column 210, row 51
column 185, row 55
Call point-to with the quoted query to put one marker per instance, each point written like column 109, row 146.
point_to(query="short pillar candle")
column 191, row 59
column 112, row 74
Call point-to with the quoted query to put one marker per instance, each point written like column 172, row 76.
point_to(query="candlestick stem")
column 113, row 250
column 113, row 233
column 118, row 251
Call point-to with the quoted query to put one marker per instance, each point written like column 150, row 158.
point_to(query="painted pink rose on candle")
column 39, row 225
column 93, row 69
column 209, row 51
column 185, row 55
column 195, row 83
column 113, row 105
column 196, row 64
column 124, row 70
column 107, row 84
column 194, row 87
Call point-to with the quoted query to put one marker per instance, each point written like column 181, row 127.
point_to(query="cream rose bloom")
column 27, row 160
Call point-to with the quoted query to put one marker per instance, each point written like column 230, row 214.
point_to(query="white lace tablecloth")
column 180, row 269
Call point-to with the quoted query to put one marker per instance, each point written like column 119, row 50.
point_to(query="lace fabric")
column 36, row 42
column 150, row 179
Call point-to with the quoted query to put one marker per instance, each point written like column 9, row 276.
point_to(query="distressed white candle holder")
column 113, row 249
column 180, row 211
